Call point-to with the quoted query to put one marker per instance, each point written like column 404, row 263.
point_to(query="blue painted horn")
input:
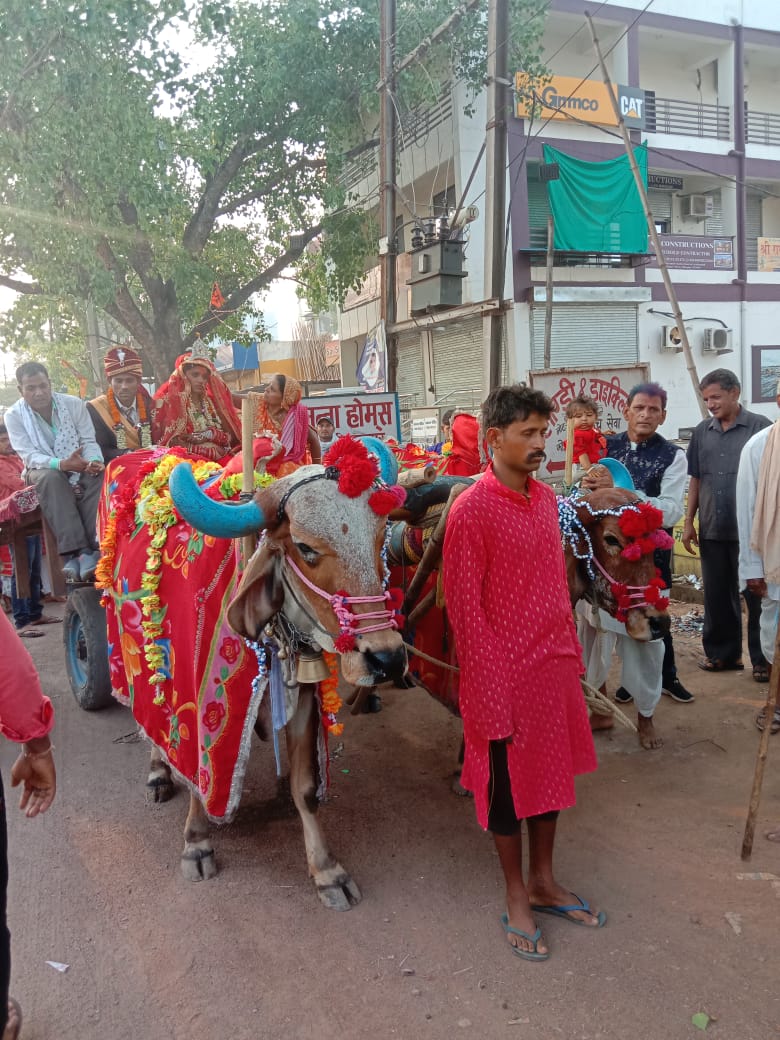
column 388, row 463
column 219, row 519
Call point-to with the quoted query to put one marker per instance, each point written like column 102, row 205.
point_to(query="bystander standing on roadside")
column 713, row 460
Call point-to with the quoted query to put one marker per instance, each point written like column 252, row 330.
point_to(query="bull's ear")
column 260, row 594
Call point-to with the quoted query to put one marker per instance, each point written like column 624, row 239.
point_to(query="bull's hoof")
column 340, row 894
column 160, row 788
column 198, row 864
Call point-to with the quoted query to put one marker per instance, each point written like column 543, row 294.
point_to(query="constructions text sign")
column 608, row 387
column 359, row 415
column 697, row 253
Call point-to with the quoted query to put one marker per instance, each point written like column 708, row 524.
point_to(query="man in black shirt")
column 713, row 461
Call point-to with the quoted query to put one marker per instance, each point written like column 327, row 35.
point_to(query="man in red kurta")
column 524, row 718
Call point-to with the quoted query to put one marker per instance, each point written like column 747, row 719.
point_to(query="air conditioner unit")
column 717, row 341
column 672, row 341
column 697, row 207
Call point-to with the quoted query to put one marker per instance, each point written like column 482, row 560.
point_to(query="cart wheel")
column 86, row 649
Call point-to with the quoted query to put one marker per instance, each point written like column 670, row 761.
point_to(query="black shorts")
column 502, row 818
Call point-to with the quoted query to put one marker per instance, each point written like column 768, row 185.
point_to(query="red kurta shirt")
column 507, row 599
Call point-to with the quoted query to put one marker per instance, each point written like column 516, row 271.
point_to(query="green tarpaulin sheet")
column 596, row 206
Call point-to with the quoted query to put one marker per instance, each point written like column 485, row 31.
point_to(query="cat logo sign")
column 632, row 102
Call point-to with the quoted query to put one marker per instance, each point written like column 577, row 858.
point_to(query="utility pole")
column 387, row 140
column 690, row 364
column 495, row 187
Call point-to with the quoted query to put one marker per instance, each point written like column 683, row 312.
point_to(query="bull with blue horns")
column 313, row 593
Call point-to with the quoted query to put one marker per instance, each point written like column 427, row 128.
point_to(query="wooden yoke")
column 431, row 556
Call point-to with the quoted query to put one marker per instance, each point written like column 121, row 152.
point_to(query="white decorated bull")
column 315, row 584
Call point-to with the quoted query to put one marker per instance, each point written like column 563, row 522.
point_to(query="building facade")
column 708, row 92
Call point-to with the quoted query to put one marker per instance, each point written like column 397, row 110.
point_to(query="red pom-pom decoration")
column 395, row 598
column 382, row 501
column 345, row 643
column 357, row 475
column 633, row 551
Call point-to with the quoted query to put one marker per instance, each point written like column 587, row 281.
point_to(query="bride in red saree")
column 196, row 412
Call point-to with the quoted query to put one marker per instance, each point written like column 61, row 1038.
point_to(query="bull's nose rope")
column 350, row 623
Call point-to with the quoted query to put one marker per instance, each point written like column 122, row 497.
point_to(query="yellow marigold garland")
column 329, row 696
column 231, row 485
column 154, row 508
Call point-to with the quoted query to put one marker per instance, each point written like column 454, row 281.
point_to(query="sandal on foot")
column 527, row 955
column 8, row 1032
column 714, row 664
column 760, row 721
column 760, row 673
column 566, row 911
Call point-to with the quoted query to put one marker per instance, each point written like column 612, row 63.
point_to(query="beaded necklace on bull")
column 641, row 524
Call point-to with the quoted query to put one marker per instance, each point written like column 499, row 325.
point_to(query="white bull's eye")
column 306, row 551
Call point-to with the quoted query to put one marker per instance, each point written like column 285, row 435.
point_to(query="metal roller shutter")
column 538, row 210
column 587, row 334
column 660, row 204
column 411, row 374
column 457, row 363
column 714, row 225
column 752, row 230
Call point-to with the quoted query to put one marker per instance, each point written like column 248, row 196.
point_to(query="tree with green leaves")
column 149, row 148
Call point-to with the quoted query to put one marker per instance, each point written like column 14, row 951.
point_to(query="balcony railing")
column 414, row 127
column 693, row 118
column 762, row 127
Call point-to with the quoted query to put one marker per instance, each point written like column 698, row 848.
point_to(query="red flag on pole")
column 217, row 299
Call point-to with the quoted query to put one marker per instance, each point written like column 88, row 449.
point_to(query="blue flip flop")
column 527, row 955
column 565, row 911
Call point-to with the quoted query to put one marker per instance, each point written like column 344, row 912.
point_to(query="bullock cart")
column 84, row 623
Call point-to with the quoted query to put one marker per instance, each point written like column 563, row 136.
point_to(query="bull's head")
column 319, row 561
column 609, row 538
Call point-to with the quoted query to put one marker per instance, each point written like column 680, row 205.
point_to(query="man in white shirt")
column 759, row 554
column 658, row 469
column 54, row 436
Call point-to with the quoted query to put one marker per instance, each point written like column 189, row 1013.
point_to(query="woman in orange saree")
column 279, row 412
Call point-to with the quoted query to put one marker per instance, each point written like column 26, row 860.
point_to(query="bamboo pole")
column 690, row 364
column 763, row 746
column 548, row 293
column 569, row 467
column 248, row 469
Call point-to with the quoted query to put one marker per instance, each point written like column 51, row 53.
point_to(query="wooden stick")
column 763, row 746
column 548, row 299
column 569, row 467
column 248, row 542
column 422, row 607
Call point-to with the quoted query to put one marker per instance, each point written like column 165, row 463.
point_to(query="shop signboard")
column 609, row 387
column 696, row 253
column 359, row 415
column 769, row 254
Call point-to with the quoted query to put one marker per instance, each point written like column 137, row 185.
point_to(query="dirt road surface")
column 654, row 840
